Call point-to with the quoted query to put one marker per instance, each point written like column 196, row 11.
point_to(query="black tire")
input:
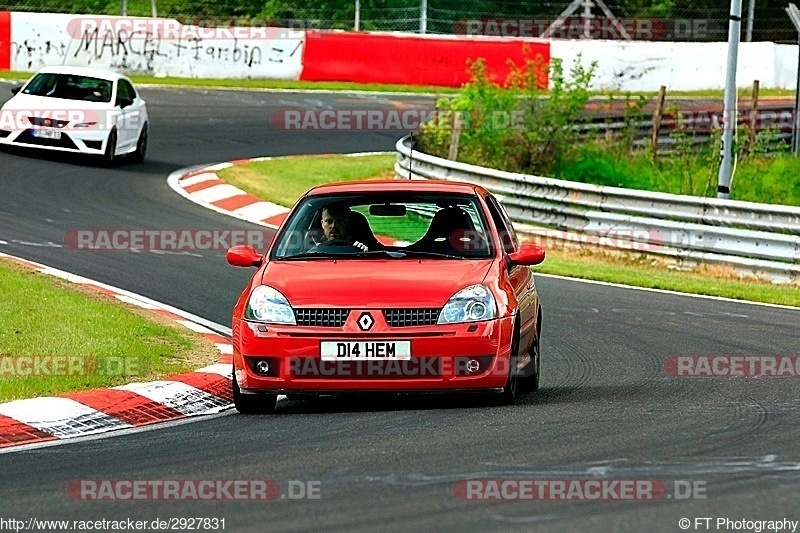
column 511, row 389
column 252, row 404
column 111, row 147
column 141, row 146
column 531, row 383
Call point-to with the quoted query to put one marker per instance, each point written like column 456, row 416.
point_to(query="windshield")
column 394, row 225
column 69, row 87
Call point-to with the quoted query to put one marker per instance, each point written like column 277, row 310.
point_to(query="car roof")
column 84, row 71
column 398, row 185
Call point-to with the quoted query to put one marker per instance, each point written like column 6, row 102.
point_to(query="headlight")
column 269, row 305
column 472, row 304
column 85, row 124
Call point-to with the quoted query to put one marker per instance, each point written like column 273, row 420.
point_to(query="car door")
column 519, row 276
column 129, row 107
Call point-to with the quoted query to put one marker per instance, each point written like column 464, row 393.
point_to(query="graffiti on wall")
column 142, row 52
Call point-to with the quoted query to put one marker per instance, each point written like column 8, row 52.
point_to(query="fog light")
column 473, row 365
column 262, row 367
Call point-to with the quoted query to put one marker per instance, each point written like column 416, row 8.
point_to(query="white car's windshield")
column 69, row 87
column 399, row 224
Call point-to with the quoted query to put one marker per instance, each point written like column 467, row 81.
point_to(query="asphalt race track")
column 607, row 409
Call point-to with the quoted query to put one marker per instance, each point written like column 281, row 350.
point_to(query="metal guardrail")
column 759, row 238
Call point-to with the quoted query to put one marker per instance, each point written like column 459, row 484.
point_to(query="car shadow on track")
column 388, row 402
column 375, row 402
column 125, row 162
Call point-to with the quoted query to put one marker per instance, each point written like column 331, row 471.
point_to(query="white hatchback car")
column 77, row 109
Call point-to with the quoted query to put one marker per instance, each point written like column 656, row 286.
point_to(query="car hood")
column 373, row 283
column 28, row 102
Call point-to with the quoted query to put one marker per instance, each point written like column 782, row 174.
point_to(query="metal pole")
column 153, row 8
column 794, row 14
column 423, row 17
column 124, row 8
column 587, row 18
column 729, row 114
column 751, row 14
column 358, row 16
column 795, row 128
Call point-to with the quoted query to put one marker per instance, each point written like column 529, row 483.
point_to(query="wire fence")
column 663, row 20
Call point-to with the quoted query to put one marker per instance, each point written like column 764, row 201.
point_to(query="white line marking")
column 664, row 291
column 179, row 396
column 261, row 210
column 135, row 301
column 61, row 417
column 113, row 434
column 225, row 348
column 194, row 326
column 198, row 178
column 217, row 193
column 225, row 371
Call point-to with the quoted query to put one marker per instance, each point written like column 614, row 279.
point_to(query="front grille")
column 49, row 122
column 326, row 318
column 64, row 142
column 402, row 318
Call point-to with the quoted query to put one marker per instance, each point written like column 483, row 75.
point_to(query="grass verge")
column 57, row 337
column 283, row 180
column 274, row 179
column 389, row 88
column 288, row 85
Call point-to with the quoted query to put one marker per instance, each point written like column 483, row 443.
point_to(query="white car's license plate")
column 356, row 350
column 47, row 134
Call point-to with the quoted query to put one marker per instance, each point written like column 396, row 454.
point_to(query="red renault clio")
column 395, row 286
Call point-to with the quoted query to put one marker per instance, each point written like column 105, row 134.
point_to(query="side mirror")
column 528, row 254
column 16, row 89
column 243, row 256
column 124, row 102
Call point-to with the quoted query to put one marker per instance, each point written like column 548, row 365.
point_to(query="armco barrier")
column 759, row 238
column 409, row 59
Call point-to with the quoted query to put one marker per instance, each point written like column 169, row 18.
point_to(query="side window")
column 125, row 90
column 508, row 236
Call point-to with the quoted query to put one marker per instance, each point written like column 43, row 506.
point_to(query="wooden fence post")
column 659, row 114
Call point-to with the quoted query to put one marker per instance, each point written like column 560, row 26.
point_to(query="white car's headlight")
column 473, row 304
column 85, row 124
column 269, row 305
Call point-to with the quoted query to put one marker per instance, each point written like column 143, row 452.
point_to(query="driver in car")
column 336, row 227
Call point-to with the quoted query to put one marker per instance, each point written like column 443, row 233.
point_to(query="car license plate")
column 356, row 350
column 47, row 134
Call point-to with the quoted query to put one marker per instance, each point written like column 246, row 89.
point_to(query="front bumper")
column 89, row 141
column 443, row 358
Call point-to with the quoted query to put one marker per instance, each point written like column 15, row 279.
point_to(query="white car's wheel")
column 141, row 146
column 111, row 148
